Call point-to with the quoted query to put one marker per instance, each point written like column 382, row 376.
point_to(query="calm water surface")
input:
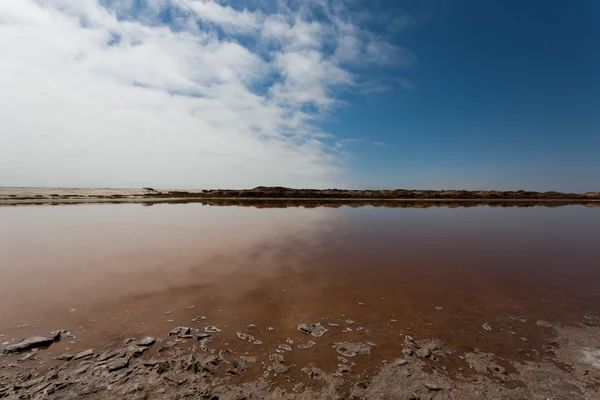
column 107, row 272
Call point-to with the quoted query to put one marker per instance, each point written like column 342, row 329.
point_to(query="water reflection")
column 106, row 271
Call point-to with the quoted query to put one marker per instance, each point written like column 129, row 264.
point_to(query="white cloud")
column 109, row 95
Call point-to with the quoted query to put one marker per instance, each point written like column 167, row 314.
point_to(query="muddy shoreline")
column 191, row 363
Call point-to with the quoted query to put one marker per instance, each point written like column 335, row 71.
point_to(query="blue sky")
column 329, row 93
column 506, row 95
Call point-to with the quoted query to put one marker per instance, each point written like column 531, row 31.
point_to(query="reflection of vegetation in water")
column 375, row 203
column 288, row 193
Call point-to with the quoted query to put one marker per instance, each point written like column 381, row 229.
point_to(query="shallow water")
column 106, row 272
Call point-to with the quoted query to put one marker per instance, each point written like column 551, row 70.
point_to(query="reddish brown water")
column 107, row 272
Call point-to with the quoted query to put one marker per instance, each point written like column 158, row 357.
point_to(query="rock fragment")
column 84, row 354
column 27, row 357
column 180, row 330
column 427, row 348
column 246, row 337
column 316, row 330
column 118, row 364
column 147, row 341
column 348, row 349
column 107, row 355
column 432, row 387
column 32, row 342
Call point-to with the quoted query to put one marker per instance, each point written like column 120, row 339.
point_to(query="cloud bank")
column 177, row 93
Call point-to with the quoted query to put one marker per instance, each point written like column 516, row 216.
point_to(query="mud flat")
column 188, row 363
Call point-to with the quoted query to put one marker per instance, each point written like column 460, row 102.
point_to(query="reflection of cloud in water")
column 88, row 254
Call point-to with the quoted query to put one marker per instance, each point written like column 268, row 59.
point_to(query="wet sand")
column 108, row 272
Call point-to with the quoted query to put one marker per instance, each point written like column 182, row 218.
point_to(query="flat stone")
column 147, row 341
column 246, row 337
column 118, row 364
column 487, row 327
column 107, row 355
column 427, row 348
column 316, row 330
column 352, row 349
column 32, row 342
column 239, row 364
column 61, row 385
column 151, row 363
column 30, row 383
column 84, row 354
column 64, row 357
column 135, row 350
column 201, row 336
column 306, row 345
column 180, row 330
column 211, row 329
column 279, row 368
column 81, row 370
column 27, row 357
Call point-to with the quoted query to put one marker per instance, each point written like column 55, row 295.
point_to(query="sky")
column 417, row 94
